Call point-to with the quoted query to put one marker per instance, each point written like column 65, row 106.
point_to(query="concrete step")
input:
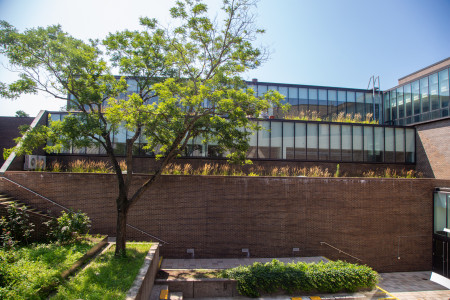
column 158, row 291
column 176, row 296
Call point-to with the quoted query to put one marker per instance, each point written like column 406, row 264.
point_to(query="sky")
column 339, row 43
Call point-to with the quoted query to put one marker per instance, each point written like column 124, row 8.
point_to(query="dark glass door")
column 440, row 256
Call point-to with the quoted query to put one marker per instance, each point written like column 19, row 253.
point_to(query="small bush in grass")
column 68, row 226
column 329, row 277
column 15, row 228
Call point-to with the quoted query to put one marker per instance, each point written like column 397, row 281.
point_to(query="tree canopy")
column 188, row 84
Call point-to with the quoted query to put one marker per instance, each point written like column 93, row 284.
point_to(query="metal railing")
column 340, row 251
column 65, row 208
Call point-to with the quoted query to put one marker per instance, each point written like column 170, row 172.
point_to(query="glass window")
column 262, row 89
column 253, row 146
column 416, row 97
column 300, row 141
column 322, row 108
column 357, row 143
column 400, row 104
column 313, row 102
column 387, row 108
column 303, row 99
column 444, row 88
column 288, row 140
column 132, row 86
column 293, row 96
column 264, row 139
column 119, row 142
column 407, row 98
column 312, row 140
column 369, row 105
column 424, row 95
column 360, row 104
column 368, row 144
column 351, row 106
column 434, row 94
column 379, row 144
column 394, row 105
column 346, row 143
column 324, row 139
column 275, row 135
column 342, row 98
column 440, row 213
column 389, row 154
column 335, row 142
column 332, row 102
column 399, row 145
column 410, row 145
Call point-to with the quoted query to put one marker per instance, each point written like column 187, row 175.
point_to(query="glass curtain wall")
column 297, row 140
column 421, row 100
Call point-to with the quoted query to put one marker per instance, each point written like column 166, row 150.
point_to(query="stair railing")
column 340, row 251
column 65, row 208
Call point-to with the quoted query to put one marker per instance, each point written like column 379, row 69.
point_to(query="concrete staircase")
column 161, row 292
column 6, row 200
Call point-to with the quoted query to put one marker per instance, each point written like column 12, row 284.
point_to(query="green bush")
column 68, row 226
column 329, row 277
column 16, row 227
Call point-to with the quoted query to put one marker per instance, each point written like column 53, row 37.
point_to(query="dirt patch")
column 188, row 274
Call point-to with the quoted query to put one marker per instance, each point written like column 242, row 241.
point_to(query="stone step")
column 157, row 290
column 176, row 296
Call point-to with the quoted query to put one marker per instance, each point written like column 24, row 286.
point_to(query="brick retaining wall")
column 372, row 219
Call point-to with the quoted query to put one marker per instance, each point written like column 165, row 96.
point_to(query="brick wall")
column 433, row 149
column 371, row 219
column 9, row 130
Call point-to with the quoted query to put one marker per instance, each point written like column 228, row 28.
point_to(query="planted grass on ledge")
column 27, row 272
column 107, row 277
column 341, row 117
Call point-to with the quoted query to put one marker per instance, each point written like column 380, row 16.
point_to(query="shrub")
column 68, row 226
column 16, row 227
column 329, row 277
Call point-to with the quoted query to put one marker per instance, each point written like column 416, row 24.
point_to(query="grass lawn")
column 107, row 277
column 25, row 271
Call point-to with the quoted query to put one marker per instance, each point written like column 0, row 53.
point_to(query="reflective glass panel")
column 434, row 94
column 399, row 145
column 262, row 89
column 358, row 143
column 342, row 98
column 389, row 145
column 335, row 142
column 393, row 98
column 253, row 146
column 313, row 101
column 440, row 213
column 444, row 88
column 312, row 141
column 351, row 99
column 379, row 144
column 288, row 140
column 332, row 102
column 300, row 141
column 424, row 95
column 415, row 91
column 360, row 104
column 346, row 143
column 400, row 103
column 324, row 139
column 264, row 139
column 410, row 144
column 407, row 97
column 369, row 105
column 275, row 145
column 368, row 144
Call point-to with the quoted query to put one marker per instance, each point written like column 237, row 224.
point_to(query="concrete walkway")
column 226, row 263
column 413, row 285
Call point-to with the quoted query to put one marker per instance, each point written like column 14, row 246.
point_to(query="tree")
column 21, row 114
column 188, row 85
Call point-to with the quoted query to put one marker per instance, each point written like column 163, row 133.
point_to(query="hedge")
column 326, row 277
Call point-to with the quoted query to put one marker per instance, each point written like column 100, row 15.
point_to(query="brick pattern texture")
column 387, row 223
column 9, row 130
column 433, row 149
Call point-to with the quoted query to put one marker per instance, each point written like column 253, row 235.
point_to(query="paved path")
column 403, row 285
column 225, row 263
column 413, row 285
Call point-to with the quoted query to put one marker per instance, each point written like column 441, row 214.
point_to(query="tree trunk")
column 121, row 231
